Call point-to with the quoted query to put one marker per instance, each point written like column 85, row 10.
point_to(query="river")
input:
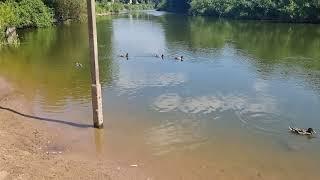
column 222, row 113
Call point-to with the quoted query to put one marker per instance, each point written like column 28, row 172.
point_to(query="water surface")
column 223, row 112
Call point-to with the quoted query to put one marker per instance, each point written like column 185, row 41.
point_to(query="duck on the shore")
column 299, row 131
column 79, row 65
column 179, row 58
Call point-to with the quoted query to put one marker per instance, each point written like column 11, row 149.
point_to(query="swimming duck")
column 125, row 56
column 158, row 56
column 179, row 58
column 79, row 65
column 299, row 131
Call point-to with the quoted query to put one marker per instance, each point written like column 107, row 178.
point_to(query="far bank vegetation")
column 19, row 14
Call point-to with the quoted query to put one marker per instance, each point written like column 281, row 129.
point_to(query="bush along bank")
column 22, row 14
column 105, row 7
column 279, row 10
column 18, row 14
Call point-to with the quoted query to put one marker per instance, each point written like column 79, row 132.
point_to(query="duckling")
column 179, row 58
column 157, row 56
column 299, row 131
column 79, row 65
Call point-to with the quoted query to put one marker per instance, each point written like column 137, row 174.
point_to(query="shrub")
column 288, row 10
column 108, row 7
column 68, row 9
column 8, row 14
column 23, row 13
column 34, row 13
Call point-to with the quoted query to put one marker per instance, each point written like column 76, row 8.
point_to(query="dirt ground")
column 24, row 148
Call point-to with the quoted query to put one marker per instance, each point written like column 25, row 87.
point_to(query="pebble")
column 134, row 165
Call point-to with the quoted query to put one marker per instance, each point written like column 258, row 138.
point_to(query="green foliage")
column 163, row 5
column 287, row 10
column 108, row 7
column 105, row 7
column 136, row 7
column 68, row 9
column 34, row 13
column 23, row 13
column 7, row 17
column 8, row 14
column 174, row 5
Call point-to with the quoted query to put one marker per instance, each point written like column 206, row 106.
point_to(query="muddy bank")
column 27, row 147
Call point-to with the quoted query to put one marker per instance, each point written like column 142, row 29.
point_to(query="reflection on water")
column 211, row 104
column 133, row 81
column 242, row 84
column 170, row 136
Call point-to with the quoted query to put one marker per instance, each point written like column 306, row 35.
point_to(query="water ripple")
column 175, row 135
column 132, row 82
column 258, row 114
column 264, row 122
column 209, row 104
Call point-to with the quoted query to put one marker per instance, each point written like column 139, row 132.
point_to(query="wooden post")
column 95, row 81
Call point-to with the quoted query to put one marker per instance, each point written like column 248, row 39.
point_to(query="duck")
column 79, row 65
column 307, row 132
column 125, row 56
column 179, row 58
column 158, row 56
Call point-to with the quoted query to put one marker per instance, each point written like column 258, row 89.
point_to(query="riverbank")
column 30, row 150
column 282, row 11
column 40, row 14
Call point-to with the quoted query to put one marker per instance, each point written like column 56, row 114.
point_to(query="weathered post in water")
column 95, row 80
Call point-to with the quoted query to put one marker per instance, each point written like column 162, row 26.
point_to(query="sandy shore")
column 25, row 153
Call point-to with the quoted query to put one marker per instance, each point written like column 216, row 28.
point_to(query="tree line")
column 43, row 13
column 283, row 10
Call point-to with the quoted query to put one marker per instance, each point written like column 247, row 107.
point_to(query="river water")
column 222, row 113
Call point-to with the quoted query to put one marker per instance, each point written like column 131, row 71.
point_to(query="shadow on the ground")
column 48, row 119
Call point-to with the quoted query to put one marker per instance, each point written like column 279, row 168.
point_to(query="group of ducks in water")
column 180, row 58
column 299, row 131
